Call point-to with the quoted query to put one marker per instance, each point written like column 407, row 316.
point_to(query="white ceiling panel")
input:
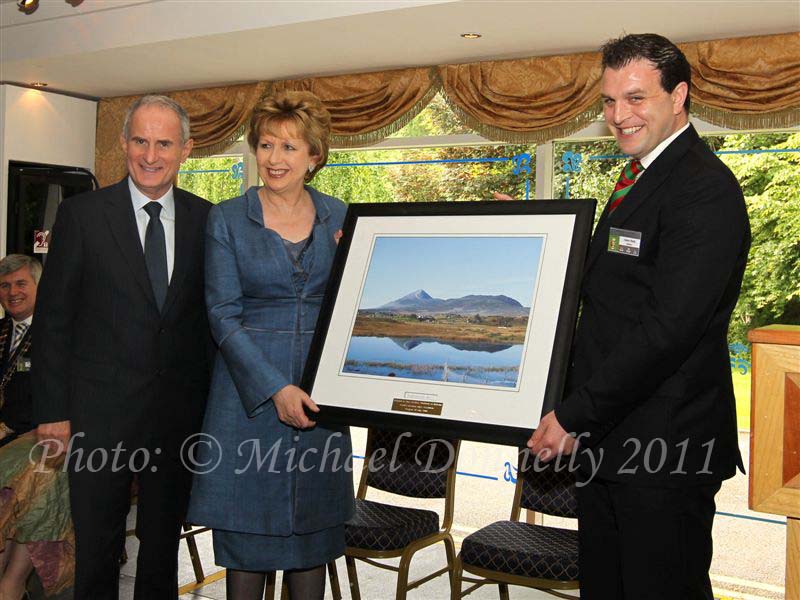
column 116, row 47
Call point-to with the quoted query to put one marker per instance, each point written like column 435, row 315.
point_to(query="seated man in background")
column 35, row 529
column 19, row 276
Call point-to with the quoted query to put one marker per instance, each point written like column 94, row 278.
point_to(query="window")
column 433, row 158
column 215, row 178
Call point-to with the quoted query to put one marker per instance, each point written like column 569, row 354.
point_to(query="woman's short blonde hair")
column 305, row 111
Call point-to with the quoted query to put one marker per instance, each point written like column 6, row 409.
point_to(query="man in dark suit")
column 650, row 386
column 19, row 277
column 121, row 353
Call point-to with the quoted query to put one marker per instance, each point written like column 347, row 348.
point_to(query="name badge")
column 24, row 365
column 624, row 241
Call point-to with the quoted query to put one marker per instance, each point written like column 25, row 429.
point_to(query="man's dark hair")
column 657, row 49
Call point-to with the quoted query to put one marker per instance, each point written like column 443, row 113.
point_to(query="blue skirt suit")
column 276, row 497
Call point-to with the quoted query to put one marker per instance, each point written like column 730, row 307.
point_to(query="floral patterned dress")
column 34, row 510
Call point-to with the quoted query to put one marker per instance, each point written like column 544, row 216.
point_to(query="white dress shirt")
column 167, row 215
column 648, row 159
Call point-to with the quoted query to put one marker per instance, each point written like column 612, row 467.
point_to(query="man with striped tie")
column 19, row 277
column 649, row 394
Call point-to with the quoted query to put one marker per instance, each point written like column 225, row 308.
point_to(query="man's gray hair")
column 163, row 102
column 14, row 262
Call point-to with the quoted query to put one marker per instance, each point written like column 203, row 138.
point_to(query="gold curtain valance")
column 218, row 117
column 743, row 83
column 746, row 83
column 528, row 100
column 367, row 107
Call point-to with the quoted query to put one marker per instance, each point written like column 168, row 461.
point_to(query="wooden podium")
column 775, row 436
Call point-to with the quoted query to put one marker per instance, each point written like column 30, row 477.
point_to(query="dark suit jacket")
column 16, row 410
column 107, row 360
column 650, row 366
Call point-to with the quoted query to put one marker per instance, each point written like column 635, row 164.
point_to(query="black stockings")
column 306, row 584
column 244, row 585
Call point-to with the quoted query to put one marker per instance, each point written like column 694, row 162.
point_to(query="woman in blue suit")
column 275, row 488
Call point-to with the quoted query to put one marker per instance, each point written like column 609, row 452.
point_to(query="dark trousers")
column 645, row 543
column 100, row 500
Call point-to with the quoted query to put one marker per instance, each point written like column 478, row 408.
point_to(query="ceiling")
column 117, row 47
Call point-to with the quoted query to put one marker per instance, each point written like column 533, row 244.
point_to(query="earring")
column 311, row 167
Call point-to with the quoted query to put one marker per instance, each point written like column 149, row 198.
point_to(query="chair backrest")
column 547, row 488
column 409, row 464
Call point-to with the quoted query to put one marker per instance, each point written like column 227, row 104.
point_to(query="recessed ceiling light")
column 30, row 6
column 38, row 84
column 27, row 6
column 470, row 36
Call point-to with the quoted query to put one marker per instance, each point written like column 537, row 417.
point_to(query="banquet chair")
column 518, row 553
column 411, row 465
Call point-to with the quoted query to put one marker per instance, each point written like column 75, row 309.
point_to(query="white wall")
column 41, row 127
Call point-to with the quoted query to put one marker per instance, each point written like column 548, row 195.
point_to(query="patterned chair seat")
column 521, row 549
column 382, row 527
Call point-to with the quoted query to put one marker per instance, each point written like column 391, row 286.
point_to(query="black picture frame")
column 564, row 224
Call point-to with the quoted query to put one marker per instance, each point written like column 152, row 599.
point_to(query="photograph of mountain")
column 446, row 309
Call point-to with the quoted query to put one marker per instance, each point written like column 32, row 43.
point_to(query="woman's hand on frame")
column 290, row 401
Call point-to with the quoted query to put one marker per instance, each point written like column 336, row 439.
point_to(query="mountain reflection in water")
column 411, row 343
column 431, row 359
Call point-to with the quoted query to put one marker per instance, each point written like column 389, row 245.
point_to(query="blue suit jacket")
column 263, row 326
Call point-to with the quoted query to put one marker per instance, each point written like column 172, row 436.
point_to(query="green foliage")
column 214, row 187
column 596, row 177
column 771, row 182
column 478, row 181
column 435, row 119
column 350, row 184
column 447, row 182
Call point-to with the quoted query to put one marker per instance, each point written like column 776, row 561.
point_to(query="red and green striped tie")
column 624, row 184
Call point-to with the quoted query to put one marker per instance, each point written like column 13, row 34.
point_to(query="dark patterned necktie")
column 155, row 253
column 19, row 333
column 624, row 184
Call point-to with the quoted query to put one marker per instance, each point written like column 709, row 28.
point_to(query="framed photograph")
column 452, row 319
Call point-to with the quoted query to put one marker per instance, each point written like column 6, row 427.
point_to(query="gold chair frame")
column 201, row 579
